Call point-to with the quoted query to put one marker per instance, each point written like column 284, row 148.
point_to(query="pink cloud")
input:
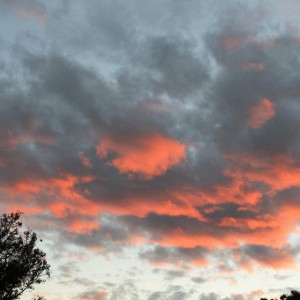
column 278, row 172
column 261, row 113
column 77, row 212
column 147, row 155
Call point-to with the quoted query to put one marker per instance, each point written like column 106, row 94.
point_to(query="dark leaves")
column 22, row 264
column 295, row 295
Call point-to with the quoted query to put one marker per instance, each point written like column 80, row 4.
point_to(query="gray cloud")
column 152, row 223
column 172, row 293
column 173, row 274
column 173, row 255
column 267, row 256
column 198, row 280
column 92, row 295
column 211, row 296
column 228, row 210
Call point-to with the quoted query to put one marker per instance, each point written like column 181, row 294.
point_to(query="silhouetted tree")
column 22, row 264
column 295, row 295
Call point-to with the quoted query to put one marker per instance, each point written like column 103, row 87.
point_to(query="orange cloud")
column 148, row 156
column 64, row 203
column 84, row 226
column 78, row 213
column 195, row 234
column 261, row 113
column 278, row 172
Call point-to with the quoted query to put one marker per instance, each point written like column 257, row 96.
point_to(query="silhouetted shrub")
column 295, row 295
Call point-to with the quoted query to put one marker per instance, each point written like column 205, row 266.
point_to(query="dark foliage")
column 22, row 264
column 295, row 295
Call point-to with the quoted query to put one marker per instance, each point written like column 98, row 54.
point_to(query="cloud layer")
column 168, row 129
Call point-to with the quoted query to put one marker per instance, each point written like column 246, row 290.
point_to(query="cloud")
column 92, row 295
column 172, row 293
column 231, row 42
column 268, row 257
column 85, row 160
column 162, row 255
column 173, row 274
column 174, row 140
column 29, row 9
column 261, row 113
column 149, row 156
column 126, row 289
column 277, row 172
column 109, row 236
column 210, row 296
column 181, row 72
column 250, row 66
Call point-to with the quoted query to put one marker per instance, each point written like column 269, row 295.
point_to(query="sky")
column 154, row 145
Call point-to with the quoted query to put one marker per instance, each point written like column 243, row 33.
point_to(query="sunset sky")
column 154, row 146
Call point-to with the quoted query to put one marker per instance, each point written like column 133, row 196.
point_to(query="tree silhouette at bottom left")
column 22, row 264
